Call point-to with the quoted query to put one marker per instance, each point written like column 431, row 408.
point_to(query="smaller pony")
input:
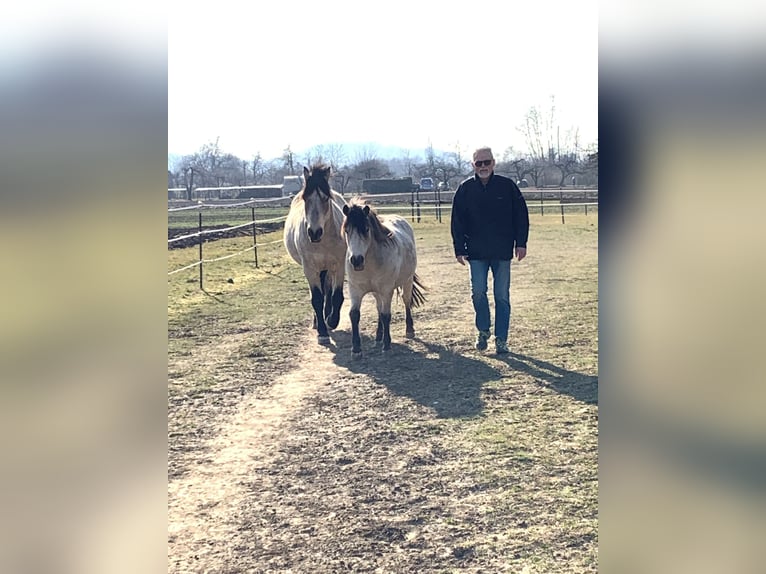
column 313, row 239
column 381, row 258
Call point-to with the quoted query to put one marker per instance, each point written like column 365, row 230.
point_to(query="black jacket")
column 489, row 221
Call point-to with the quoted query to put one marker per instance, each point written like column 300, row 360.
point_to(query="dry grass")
column 435, row 458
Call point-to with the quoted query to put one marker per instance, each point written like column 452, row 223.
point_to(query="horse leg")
column 384, row 318
column 379, row 330
column 336, row 302
column 356, row 341
column 325, row 285
column 410, row 333
column 407, row 299
column 317, row 302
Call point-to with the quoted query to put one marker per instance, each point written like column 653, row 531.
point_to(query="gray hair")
column 484, row 148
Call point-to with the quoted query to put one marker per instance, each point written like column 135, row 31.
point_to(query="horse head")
column 317, row 200
column 356, row 230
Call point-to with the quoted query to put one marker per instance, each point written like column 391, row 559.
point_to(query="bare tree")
column 315, row 154
column 189, row 181
column 340, row 180
column 371, row 169
column 288, row 157
column 461, row 161
column 430, row 160
column 366, row 153
column 514, row 163
column 408, row 162
column 536, row 170
column 547, row 148
column 336, row 155
column 567, row 159
column 258, row 168
column 446, row 168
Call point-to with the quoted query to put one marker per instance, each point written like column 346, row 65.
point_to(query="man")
column 490, row 222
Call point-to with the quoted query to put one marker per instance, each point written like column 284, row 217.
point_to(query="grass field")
column 189, row 219
column 288, row 456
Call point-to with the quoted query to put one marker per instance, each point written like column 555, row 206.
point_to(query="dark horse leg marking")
column 356, row 342
column 323, row 284
column 379, row 332
column 337, row 302
column 408, row 322
column 385, row 318
column 317, row 301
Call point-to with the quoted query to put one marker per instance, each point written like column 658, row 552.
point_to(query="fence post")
column 200, row 250
column 412, row 205
column 561, row 203
column 255, row 243
column 418, row 203
column 542, row 209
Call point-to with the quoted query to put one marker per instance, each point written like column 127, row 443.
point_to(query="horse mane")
column 317, row 178
column 361, row 221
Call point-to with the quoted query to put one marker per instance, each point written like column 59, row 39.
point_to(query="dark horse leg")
column 337, row 302
column 323, row 283
column 385, row 319
column 317, row 302
column 408, row 322
column 356, row 341
column 333, row 300
column 379, row 332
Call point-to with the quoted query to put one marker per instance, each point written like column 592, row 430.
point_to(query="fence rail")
column 417, row 203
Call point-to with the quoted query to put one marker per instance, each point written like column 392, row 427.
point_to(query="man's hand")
column 521, row 253
column 460, row 259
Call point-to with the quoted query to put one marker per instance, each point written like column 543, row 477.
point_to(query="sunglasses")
column 485, row 162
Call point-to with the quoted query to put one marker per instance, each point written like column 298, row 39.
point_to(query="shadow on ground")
column 580, row 387
column 437, row 377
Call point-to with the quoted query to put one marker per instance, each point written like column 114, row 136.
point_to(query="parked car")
column 443, row 186
column 426, row 184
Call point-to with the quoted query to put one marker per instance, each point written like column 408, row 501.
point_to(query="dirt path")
column 339, row 465
column 202, row 504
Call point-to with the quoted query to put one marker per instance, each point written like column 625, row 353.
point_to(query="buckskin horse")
column 312, row 237
column 380, row 259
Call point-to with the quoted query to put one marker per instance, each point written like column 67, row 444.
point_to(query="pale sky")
column 264, row 75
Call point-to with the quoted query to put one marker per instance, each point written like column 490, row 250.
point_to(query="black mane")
column 318, row 180
column 363, row 219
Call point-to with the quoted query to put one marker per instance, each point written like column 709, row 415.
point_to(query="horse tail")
column 418, row 288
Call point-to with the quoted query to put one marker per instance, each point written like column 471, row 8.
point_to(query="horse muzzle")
column 315, row 236
column 357, row 262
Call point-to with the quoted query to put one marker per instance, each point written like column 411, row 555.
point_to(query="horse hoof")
column 323, row 340
column 356, row 355
column 386, row 349
column 410, row 334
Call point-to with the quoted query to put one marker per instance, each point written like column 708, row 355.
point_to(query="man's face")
column 483, row 164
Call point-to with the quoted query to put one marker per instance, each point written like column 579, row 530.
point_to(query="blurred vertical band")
column 83, row 331
column 682, row 273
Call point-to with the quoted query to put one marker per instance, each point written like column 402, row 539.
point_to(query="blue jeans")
column 501, row 290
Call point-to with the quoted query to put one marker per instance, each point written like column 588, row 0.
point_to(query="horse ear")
column 366, row 210
column 305, row 172
column 345, row 209
column 328, row 173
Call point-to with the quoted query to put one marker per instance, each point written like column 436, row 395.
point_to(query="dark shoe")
column 481, row 340
column 501, row 347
